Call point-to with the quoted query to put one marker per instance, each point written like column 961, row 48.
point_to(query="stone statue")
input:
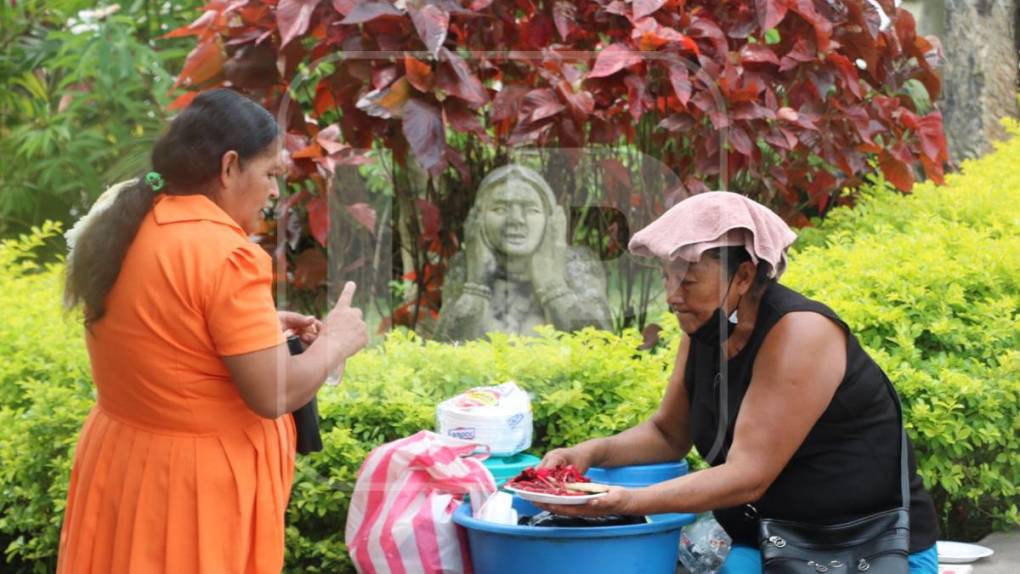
column 515, row 270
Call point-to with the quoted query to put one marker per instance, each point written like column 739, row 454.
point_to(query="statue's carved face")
column 514, row 219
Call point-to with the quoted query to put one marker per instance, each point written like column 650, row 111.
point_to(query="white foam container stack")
column 498, row 417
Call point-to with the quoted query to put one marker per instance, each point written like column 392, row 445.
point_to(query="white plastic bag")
column 704, row 546
column 401, row 512
column 498, row 417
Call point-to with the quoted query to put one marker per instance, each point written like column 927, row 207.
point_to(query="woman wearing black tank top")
column 775, row 392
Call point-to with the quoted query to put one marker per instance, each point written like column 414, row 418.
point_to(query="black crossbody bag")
column 877, row 543
column 306, row 418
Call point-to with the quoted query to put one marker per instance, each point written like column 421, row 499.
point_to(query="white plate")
column 543, row 498
column 961, row 552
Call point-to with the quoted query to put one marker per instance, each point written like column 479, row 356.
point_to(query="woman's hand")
column 344, row 326
column 618, row 500
column 306, row 327
column 481, row 263
column 549, row 263
column 576, row 456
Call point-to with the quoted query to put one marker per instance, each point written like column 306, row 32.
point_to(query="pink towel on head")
column 716, row 219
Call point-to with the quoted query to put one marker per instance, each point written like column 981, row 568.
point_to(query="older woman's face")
column 247, row 188
column 514, row 219
column 695, row 291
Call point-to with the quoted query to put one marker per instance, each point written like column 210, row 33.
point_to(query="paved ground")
column 1007, row 554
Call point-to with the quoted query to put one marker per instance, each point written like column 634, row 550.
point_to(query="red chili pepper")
column 549, row 480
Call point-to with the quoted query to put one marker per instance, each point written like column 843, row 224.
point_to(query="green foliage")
column 82, row 94
column 929, row 283
column 45, row 392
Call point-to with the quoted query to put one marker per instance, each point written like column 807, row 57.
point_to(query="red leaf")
column 328, row 139
column 368, row 10
column 423, row 129
column 613, row 59
column 538, row 105
column 581, row 104
column 933, row 138
column 384, row 76
column 933, row 170
column 704, row 28
column 507, row 102
column 618, row 7
column 418, row 73
column 679, row 78
column 758, row 54
column 801, row 52
column 343, row 7
column 431, row 23
column 310, row 269
column 200, row 27
column 823, row 28
column 429, row 219
column 770, row 13
column 644, row 8
column 781, row 138
column 741, row 142
column 363, row 213
column 897, row 172
column 318, row 218
column 462, row 119
column 293, row 17
column 203, row 63
column 650, row 35
column 677, row 122
column 311, row 151
column 324, row 99
column 564, row 17
column 463, row 84
column 848, row 71
column 182, row 101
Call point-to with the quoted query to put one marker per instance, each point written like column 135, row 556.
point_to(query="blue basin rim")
column 660, row 523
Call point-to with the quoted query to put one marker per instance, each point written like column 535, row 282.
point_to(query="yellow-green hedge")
column 929, row 282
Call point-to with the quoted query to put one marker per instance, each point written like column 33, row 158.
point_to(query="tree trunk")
column 979, row 85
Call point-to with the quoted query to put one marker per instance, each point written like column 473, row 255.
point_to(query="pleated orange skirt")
column 145, row 502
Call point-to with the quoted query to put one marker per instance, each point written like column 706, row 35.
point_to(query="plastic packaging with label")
column 704, row 546
column 498, row 417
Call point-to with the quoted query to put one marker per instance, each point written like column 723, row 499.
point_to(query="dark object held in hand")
column 306, row 418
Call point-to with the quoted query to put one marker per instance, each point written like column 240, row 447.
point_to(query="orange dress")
column 173, row 473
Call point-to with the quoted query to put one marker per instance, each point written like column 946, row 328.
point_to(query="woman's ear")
column 230, row 168
column 745, row 276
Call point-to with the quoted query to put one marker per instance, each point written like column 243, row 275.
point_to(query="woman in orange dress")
column 185, row 463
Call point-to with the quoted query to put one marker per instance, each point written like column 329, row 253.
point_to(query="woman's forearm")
column 723, row 486
column 642, row 444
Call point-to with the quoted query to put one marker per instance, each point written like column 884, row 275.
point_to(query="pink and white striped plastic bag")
column 401, row 513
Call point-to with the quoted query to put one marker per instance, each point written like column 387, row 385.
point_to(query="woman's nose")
column 274, row 188
column 516, row 214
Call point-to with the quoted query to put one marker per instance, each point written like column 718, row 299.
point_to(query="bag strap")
column 722, row 386
column 722, row 382
column 904, row 466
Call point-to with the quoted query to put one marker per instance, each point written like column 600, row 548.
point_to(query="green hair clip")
column 154, row 180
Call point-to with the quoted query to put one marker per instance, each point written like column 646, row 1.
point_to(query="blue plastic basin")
column 649, row 548
column 638, row 475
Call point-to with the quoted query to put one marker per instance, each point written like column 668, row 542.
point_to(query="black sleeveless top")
column 847, row 467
